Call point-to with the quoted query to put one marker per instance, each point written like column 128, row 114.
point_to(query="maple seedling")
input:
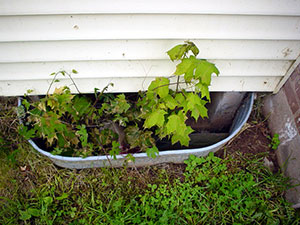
column 73, row 125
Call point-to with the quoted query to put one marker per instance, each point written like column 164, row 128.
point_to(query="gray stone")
column 281, row 121
column 296, row 206
column 269, row 164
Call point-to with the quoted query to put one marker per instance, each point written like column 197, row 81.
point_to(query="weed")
column 257, row 110
column 206, row 190
column 275, row 142
column 72, row 125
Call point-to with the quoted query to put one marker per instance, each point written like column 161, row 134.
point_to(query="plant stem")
column 101, row 93
column 62, row 72
column 181, row 82
column 177, row 86
column 168, row 85
column 73, row 82
column 52, row 83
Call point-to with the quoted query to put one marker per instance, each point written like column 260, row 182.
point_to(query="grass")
column 236, row 189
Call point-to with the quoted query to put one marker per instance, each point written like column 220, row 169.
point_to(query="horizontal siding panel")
column 141, row 68
column 255, row 7
column 245, row 84
column 144, row 50
column 253, row 43
column 8, row 88
column 102, row 27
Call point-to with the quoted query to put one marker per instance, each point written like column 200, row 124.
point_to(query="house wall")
column 253, row 43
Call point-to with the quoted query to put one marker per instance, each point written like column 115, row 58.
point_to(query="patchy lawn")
column 232, row 187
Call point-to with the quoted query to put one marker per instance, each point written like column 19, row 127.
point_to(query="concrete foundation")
column 283, row 113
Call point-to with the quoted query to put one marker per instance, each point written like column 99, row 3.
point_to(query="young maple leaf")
column 155, row 118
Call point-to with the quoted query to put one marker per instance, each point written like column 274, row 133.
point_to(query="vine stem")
column 182, row 82
column 101, row 93
column 52, row 83
column 73, row 82
column 168, row 85
column 177, row 85
column 63, row 73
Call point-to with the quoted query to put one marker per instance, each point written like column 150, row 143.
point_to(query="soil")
column 254, row 139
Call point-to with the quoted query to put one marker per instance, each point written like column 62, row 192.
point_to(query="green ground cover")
column 233, row 189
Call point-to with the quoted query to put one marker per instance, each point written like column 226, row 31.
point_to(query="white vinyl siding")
column 253, row 43
column 244, row 7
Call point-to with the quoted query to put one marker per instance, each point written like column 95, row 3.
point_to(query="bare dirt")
column 254, row 138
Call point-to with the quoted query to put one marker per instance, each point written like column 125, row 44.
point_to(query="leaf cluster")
column 112, row 124
column 166, row 110
column 275, row 142
column 72, row 125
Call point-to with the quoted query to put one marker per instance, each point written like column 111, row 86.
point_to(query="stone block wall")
column 292, row 92
column 283, row 113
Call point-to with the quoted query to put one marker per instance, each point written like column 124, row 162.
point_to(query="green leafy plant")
column 80, row 125
column 207, row 190
column 275, row 142
column 166, row 110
